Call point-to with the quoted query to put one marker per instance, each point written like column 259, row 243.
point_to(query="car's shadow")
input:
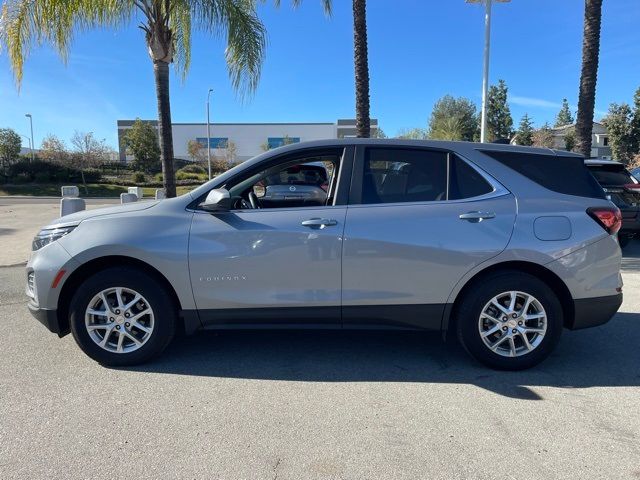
column 599, row 357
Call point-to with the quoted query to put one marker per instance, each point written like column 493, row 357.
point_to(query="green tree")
column 167, row 27
column 570, row 140
column 543, row 137
column 361, row 63
column 635, row 123
column 10, row 145
column 141, row 141
column 499, row 120
column 379, row 133
column 524, row 135
column 413, row 134
column 564, row 115
column 619, row 127
column 453, row 119
column 588, row 75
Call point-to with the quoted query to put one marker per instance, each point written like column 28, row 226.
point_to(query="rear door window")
column 392, row 175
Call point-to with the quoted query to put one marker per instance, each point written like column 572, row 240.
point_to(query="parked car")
column 623, row 189
column 490, row 242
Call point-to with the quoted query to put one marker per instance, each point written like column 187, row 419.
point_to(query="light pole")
column 32, row 142
column 485, row 69
column 28, row 140
column 208, row 135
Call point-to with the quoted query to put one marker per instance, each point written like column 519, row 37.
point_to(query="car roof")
column 439, row 144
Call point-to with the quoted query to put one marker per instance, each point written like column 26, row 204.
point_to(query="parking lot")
column 327, row 405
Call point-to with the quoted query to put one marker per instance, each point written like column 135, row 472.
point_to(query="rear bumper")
column 591, row 312
column 49, row 318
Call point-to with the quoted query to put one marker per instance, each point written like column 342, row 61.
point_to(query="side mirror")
column 218, row 200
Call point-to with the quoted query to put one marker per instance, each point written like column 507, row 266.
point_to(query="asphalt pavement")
column 320, row 405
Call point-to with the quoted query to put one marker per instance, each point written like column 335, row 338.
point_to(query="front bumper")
column 49, row 318
column 591, row 312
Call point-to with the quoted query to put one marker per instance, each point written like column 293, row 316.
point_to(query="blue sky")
column 419, row 50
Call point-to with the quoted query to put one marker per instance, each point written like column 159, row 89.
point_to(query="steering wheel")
column 253, row 200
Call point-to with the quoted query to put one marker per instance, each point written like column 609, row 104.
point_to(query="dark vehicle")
column 299, row 184
column 623, row 189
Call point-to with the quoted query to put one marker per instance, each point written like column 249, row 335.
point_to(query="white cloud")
column 533, row 102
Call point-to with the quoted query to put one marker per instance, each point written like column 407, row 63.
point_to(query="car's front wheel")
column 509, row 320
column 122, row 316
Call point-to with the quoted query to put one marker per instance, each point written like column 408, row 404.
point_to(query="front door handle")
column 475, row 217
column 319, row 223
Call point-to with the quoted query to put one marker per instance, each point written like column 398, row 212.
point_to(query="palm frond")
column 245, row 35
column 28, row 23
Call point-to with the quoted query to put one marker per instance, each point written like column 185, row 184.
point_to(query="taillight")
column 632, row 186
column 609, row 218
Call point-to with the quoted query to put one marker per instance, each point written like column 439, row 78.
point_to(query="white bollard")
column 160, row 195
column 70, row 191
column 137, row 191
column 70, row 205
column 128, row 197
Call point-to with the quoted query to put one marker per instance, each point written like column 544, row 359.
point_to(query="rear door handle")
column 319, row 223
column 475, row 217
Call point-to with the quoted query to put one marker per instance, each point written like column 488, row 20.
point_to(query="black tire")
column 164, row 311
column 481, row 292
column 624, row 240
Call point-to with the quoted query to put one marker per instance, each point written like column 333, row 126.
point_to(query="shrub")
column 21, row 178
column 138, row 177
column 182, row 175
column 193, row 168
column 159, row 177
column 42, row 177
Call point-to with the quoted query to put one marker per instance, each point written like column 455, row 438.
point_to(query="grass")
column 94, row 190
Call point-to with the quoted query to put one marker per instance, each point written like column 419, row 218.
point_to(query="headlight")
column 50, row 235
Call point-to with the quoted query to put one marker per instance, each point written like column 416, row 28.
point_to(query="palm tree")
column 588, row 77
column 363, row 122
column 167, row 25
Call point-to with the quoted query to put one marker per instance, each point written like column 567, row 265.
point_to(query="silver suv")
column 502, row 245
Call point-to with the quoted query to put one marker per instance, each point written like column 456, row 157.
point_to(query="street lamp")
column 28, row 140
column 208, row 134
column 32, row 142
column 485, row 73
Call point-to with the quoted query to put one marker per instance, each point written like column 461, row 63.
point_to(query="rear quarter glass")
column 558, row 173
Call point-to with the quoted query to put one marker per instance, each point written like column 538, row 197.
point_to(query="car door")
column 269, row 266
column 417, row 221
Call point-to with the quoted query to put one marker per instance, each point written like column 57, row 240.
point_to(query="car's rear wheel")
column 122, row 316
column 509, row 320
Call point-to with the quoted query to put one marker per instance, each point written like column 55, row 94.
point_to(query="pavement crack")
column 275, row 468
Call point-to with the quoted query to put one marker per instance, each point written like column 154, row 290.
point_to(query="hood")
column 76, row 218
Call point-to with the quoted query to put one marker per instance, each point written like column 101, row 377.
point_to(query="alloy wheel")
column 512, row 324
column 119, row 320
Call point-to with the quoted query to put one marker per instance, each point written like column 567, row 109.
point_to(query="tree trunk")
column 161, row 72
column 589, row 74
column 84, row 183
column 363, row 122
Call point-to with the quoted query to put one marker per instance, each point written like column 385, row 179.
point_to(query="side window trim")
column 355, row 191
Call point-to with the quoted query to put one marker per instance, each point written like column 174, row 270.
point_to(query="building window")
column 605, row 141
column 214, row 142
column 275, row 142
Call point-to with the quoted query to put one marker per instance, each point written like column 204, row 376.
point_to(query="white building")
column 250, row 139
column 600, row 147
